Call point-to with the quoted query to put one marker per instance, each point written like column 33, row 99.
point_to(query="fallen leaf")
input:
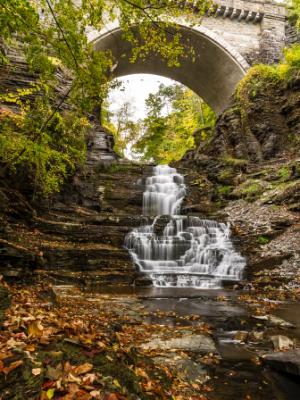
column 35, row 329
column 89, row 379
column 116, row 383
column 11, row 367
column 83, row 368
column 30, row 347
column 36, row 371
column 54, row 373
column 5, row 355
column 73, row 378
column 11, row 343
column 49, row 384
column 50, row 393
column 111, row 396
column 73, row 388
column 95, row 393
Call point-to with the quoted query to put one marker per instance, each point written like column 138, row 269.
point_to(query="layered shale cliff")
column 78, row 235
column 262, row 125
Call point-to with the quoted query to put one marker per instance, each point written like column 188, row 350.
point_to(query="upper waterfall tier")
column 180, row 250
column 164, row 192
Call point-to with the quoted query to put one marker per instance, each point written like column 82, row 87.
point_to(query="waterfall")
column 178, row 250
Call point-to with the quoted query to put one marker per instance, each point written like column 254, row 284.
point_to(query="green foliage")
column 262, row 240
column 284, row 173
column 224, row 189
column 295, row 12
column 256, row 78
column 292, row 56
column 250, row 189
column 174, row 113
column 235, row 162
column 46, row 158
column 260, row 76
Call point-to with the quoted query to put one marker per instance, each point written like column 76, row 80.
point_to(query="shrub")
column 262, row 240
column 292, row 56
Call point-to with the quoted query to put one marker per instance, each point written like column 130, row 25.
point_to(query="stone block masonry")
column 256, row 29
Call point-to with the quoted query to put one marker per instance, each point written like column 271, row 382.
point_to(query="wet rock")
column 276, row 321
column 4, row 302
column 256, row 336
column 288, row 361
column 160, row 224
column 241, row 336
column 13, row 273
column 281, row 342
column 143, row 281
column 273, row 320
column 185, row 369
column 189, row 342
column 100, row 150
column 261, row 317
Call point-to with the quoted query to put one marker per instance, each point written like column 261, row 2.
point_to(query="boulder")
column 288, row 361
column 281, row 342
column 189, row 342
column 276, row 321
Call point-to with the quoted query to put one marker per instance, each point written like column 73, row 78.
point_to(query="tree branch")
column 62, row 32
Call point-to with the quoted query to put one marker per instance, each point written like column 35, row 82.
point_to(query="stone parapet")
column 249, row 11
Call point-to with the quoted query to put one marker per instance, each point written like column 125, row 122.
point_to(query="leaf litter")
column 72, row 348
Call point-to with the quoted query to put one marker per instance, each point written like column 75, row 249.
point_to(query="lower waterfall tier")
column 191, row 252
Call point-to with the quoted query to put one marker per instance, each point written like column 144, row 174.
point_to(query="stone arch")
column 213, row 75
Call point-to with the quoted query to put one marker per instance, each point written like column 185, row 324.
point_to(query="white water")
column 189, row 252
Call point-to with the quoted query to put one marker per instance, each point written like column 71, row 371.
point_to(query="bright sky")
column 136, row 88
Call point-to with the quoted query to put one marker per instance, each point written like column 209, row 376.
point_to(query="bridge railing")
column 241, row 10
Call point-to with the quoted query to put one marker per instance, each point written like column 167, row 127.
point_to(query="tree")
column 174, row 114
column 123, row 126
column 51, row 34
column 295, row 12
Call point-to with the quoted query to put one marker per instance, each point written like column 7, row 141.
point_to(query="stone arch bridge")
column 234, row 35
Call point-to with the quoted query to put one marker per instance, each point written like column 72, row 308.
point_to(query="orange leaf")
column 83, row 369
column 30, row 347
column 111, row 396
column 11, row 367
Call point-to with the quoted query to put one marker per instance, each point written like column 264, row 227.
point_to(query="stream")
column 236, row 375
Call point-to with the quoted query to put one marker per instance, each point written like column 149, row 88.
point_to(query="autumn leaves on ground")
column 74, row 348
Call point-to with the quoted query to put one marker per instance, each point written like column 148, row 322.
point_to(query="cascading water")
column 189, row 252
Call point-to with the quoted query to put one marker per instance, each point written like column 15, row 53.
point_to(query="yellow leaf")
column 50, row 393
column 35, row 329
column 116, row 383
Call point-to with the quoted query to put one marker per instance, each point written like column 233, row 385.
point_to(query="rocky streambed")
column 135, row 343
